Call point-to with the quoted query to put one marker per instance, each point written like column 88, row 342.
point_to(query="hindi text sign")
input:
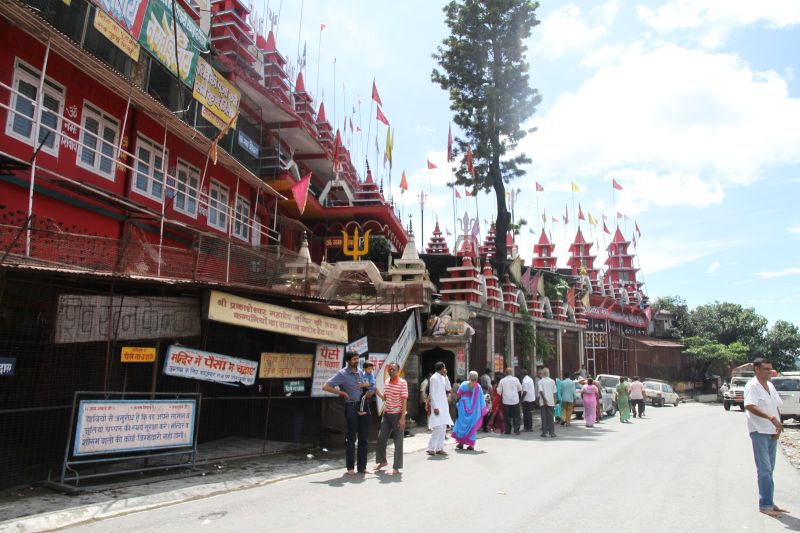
column 360, row 346
column 329, row 360
column 116, row 34
column 232, row 309
column 7, row 366
column 115, row 426
column 286, row 365
column 216, row 93
column 138, row 354
column 191, row 363
column 128, row 13
column 294, row 386
column 158, row 37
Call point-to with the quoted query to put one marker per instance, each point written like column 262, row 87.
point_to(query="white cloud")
column 713, row 267
column 567, row 29
column 677, row 125
column 779, row 274
column 794, row 229
column 711, row 22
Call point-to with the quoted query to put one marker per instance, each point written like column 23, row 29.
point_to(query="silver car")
column 606, row 400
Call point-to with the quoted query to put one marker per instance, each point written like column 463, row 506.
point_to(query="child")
column 368, row 385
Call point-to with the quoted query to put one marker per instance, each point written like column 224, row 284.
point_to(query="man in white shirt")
column 511, row 390
column 761, row 401
column 636, row 397
column 528, row 400
column 547, row 403
column 439, row 418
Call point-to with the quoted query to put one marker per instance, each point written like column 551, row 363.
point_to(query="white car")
column 659, row 393
column 608, row 406
column 788, row 388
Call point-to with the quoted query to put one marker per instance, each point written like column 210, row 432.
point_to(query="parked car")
column 609, row 407
column 788, row 388
column 659, row 393
column 735, row 394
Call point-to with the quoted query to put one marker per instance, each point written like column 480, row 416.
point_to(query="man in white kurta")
column 439, row 418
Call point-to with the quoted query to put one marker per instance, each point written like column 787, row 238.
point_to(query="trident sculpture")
column 353, row 249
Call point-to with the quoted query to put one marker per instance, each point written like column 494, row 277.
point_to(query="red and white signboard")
column 329, row 360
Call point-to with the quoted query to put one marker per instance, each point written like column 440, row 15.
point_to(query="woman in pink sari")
column 589, row 394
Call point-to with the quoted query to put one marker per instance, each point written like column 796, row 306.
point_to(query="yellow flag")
column 388, row 150
column 592, row 220
column 575, row 187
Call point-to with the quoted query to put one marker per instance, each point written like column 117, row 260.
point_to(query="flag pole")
column 334, row 91
column 319, row 53
column 300, row 31
column 369, row 122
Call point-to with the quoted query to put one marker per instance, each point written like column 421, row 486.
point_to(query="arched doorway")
column 429, row 358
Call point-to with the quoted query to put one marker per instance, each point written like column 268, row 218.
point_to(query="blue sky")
column 693, row 106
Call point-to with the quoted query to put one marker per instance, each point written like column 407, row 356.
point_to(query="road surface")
column 683, row 469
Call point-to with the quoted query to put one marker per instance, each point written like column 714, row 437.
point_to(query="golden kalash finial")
column 353, row 248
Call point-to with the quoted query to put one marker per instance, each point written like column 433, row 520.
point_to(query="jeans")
column 548, row 420
column 527, row 415
column 764, row 448
column 511, row 414
column 389, row 425
column 637, row 404
column 357, row 426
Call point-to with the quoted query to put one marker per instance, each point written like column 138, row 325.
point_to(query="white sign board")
column 191, row 363
column 115, row 426
column 329, row 360
column 359, row 346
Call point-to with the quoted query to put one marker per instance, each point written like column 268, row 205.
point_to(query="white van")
column 788, row 388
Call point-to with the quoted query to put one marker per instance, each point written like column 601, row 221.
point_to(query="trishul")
column 352, row 248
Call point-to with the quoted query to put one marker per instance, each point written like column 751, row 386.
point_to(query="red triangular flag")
column 636, row 224
column 554, row 219
column 616, row 185
column 300, row 192
column 539, row 188
column 470, row 168
column 431, row 166
column 467, row 193
column 620, row 215
column 449, row 144
column 447, row 231
column 375, row 93
column 380, row 116
column 580, row 213
column 605, row 228
column 404, row 182
column 458, row 194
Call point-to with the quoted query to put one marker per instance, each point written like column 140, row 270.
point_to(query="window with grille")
column 98, row 142
column 241, row 219
column 151, row 165
column 20, row 123
column 186, row 189
column 218, row 206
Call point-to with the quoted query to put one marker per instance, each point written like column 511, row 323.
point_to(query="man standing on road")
column 439, row 418
column 567, row 399
column 395, row 396
column 547, row 401
column 349, row 381
column 637, row 397
column 764, row 425
column 528, row 400
column 511, row 390
column 486, row 385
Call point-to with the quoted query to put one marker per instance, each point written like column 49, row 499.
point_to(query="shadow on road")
column 342, row 480
column 790, row 522
column 386, row 479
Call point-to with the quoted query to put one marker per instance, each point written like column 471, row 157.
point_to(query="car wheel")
column 726, row 405
column 677, row 402
column 741, row 407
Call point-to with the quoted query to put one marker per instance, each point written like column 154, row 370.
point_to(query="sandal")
column 459, row 446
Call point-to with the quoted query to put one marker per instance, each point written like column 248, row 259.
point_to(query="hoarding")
column 286, row 365
column 216, row 93
column 329, row 360
column 191, row 363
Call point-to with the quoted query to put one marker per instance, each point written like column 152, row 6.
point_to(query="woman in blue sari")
column 471, row 410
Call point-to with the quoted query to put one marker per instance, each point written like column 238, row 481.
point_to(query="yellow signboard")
column 232, row 309
column 285, row 365
column 115, row 33
column 215, row 92
column 212, row 118
column 138, row 354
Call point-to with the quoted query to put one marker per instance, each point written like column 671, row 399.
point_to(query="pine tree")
column 485, row 72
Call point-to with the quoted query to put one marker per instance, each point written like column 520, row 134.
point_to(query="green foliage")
column 726, row 323
column 379, row 249
column 532, row 342
column 555, row 287
column 716, row 356
column 515, row 228
column 544, row 350
column 485, row 72
column 782, row 345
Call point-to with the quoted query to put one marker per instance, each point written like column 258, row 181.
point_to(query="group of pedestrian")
column 630, row 399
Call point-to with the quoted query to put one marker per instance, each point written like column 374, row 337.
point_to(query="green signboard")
column 294, row 386
column 158, row 38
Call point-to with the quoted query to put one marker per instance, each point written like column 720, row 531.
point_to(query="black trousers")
column 357, row 428
column 637, row 404
column 511, row 414
column 527, row 415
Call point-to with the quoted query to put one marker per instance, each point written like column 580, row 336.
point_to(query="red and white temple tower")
column 437, row 244
column 620, row 274
column 543, row 257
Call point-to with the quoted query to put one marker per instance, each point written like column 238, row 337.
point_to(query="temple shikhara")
column 200, row 232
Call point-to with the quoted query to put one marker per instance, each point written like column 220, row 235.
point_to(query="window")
column 218, row 206
column 150, row 167
column 98, row 139
column 241, row 222
column 20, row 124
column 186, row 189
column 786, row 384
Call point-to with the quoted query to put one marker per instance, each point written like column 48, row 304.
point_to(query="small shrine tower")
column 489, row 248
column 620, row 273
column 437, row 244
column 543, row 253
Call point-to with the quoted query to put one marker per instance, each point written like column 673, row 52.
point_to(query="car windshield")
column 607, row 381
column 651, row 386
column 786, row 384
column 738, row 382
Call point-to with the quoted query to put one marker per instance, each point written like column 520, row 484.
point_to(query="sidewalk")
column 38, row 508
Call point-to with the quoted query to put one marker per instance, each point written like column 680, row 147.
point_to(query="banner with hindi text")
column 184, row 362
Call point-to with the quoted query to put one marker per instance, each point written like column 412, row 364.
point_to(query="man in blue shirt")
column 349, row 380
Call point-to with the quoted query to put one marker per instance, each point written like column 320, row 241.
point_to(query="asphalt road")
column 683, row 469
